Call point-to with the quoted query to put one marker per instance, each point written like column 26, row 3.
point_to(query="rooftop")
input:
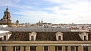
column 36, row 29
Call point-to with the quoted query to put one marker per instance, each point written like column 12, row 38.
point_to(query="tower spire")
column 7, row 8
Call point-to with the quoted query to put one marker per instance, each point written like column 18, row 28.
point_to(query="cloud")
column 17, row 0
column 5, row 3
column 61, row 11
column 37, row 15
column 13, row 4
column 79, row 11
column 65, row 1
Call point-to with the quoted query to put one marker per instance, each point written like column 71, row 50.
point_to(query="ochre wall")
column 27, row 48
column 9, row 48
column 39, row 48
column 89, row 48
column 51, row 48
column 80, row 48
column 22, row 48
column 0, row 48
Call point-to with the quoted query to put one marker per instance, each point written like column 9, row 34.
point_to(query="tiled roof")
column 89, row 36
column 71, row 36
column 19, row 36
column 36, row 29
column 46, row 36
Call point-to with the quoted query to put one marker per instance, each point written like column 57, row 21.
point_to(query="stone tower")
column 7, row 16
column 17, row 22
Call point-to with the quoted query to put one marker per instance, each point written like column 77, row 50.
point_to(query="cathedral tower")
column 7, row 16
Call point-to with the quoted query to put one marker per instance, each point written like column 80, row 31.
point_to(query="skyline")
column 52, row 11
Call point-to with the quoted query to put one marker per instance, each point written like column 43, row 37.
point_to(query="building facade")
column 44, row 39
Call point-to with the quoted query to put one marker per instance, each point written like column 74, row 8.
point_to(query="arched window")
column 59, row 37
column 1, row 39
column 32, row 38
column 84, row 37
column 4, row 37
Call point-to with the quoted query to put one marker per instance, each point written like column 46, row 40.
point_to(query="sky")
column 51, row 11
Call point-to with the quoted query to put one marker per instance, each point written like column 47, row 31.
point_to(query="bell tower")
column 7, row 16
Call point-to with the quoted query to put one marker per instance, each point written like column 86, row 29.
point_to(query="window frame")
column 44, row 48
column 72, row 48
column 32, row 38
column 85, row 48
column 15, row 48
column 85, row 38
column 59, row 37
column 58, row 48
column 33, row 48
column 4, row 48
column 66, row 48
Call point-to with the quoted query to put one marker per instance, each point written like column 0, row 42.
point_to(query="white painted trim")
column 83, row 34
column 59, row 34
column 32, row 34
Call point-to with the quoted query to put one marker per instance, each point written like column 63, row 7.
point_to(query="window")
column 59, row 37
column 66, row 48
column 85, row 48
column 72, row 48
column 85, row 38
column 32, row 48
column 4, row 37
column 24, row 48
column 13, row 48
column 32, row 38
column 16, row 48
column 1, row 39
column 4, row 48
column 58, row 48
column 45, row 48
column 76, row 48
